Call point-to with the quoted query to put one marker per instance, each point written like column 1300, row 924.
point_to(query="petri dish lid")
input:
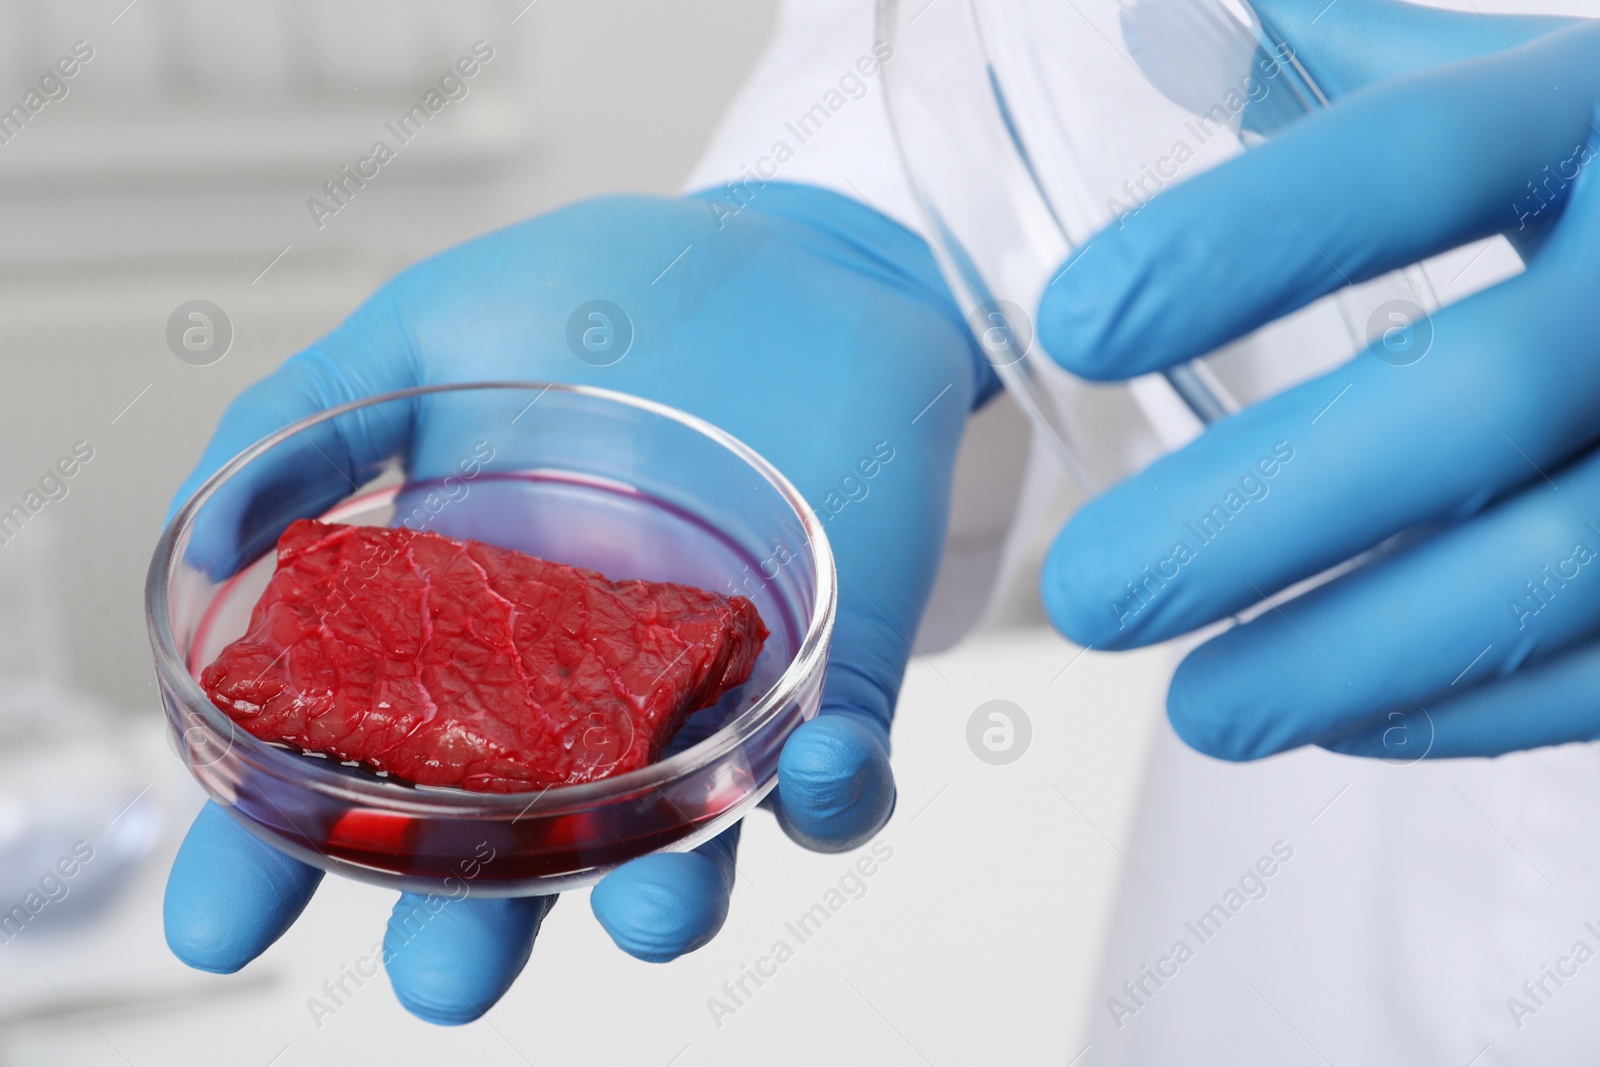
column 1025, row 127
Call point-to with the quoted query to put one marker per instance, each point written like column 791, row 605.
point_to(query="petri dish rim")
column 172, row 668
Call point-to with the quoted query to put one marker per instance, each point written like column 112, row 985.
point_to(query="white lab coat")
column 1438, row 913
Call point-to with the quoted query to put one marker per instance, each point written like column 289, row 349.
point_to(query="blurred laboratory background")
column 154, row 153
column 178, row 165
column 175, row 164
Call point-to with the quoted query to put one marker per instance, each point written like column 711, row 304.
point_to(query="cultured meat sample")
column 456, row 663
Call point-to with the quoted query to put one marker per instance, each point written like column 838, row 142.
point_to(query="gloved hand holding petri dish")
column 760, row 438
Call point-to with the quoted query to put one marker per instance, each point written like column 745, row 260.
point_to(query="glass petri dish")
column 1025, row 127
column 628, row 487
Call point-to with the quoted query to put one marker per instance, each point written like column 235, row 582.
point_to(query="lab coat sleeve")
column 813, row 112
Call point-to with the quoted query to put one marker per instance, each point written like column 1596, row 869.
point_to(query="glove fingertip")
column 663, row 906
column 1211, row 718
column 835, row 785
column 1076, row 588
column 457, row 1012
column 450, row 959
column 197, row 946
column 440, row 1000
column 230, row 895
column 1074, row 324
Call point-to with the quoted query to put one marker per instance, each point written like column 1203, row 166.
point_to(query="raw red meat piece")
column 461, row 664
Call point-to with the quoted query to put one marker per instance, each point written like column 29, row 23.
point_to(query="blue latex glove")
column 805, row 324
column 1482, row 451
